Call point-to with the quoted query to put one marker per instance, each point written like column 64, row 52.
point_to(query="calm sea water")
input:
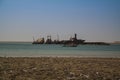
column 15, row 49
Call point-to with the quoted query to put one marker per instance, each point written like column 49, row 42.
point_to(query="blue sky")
column 92, row 20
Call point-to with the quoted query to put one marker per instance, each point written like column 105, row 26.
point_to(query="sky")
column 91, row 20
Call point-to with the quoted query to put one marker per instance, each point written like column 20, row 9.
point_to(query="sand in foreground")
column 59, row 68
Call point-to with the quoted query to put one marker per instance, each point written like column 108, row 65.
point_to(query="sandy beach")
column 59, row 68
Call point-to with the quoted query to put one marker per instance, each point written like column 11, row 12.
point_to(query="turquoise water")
column 15, row 49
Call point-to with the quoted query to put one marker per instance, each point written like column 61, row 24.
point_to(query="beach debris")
column 11, row 71
column 72, row 74
column 24, row 70
column 86, row 76
column 71, row 78
column 34, row 68
column 97, row 73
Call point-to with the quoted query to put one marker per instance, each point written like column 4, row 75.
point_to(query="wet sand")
column 59, row 68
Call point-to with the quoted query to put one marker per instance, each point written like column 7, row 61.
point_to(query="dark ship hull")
column 37, row 42
column 70, row 45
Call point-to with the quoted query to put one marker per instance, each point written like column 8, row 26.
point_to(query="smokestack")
column 75, row 36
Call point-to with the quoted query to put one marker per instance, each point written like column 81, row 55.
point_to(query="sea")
column 27, row 49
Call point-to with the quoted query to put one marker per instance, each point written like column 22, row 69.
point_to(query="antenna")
column 57, row 37
column 33, row 38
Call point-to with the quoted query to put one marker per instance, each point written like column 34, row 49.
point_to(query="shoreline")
column 101, row 57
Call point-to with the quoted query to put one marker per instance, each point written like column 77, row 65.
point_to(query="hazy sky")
column 92, row 20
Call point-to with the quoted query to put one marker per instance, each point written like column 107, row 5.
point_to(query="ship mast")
column 57, row 37
column 33, row 38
